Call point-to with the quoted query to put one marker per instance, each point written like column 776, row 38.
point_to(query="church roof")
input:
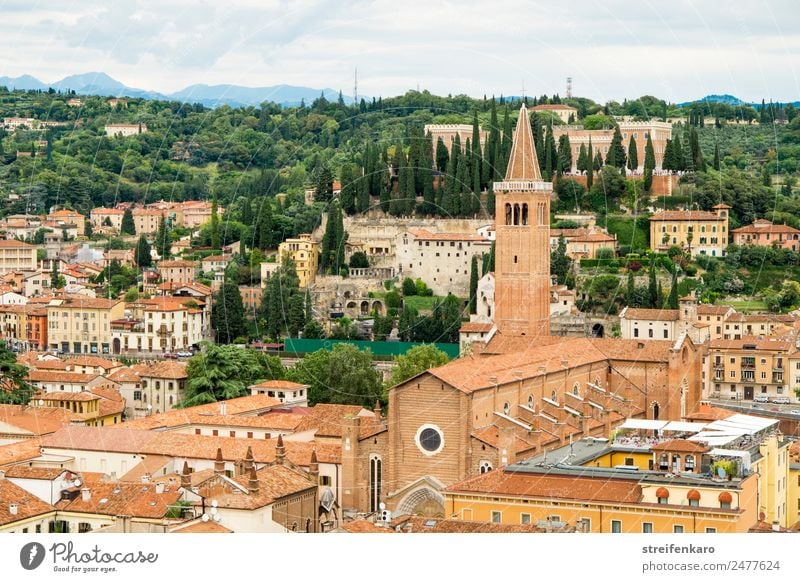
column 522, row 164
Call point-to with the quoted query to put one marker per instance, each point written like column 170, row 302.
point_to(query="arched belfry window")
column 524, row 214
column 516, row 214
column 508, row 213
column 540, row 214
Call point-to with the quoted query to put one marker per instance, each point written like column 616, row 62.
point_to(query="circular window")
column 430, row 439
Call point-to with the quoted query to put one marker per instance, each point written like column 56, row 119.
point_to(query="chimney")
column 248, row 460
column 219, row 464
column 186, row 480
column 146, row 478
column 13, row 508
column 86, row 494
column 313, row 468
column 252, row 482
column 280, row 452
column 223, row 408
column 377, row 409
column 506, row 443
column 159, row 487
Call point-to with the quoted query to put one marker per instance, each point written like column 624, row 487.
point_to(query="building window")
column 375, row 481
column 711, row 530
column 616, row 526
column 647, row 527
column 137, row 394
column 485, row 467
column 506, row 408
column 325, row 480
column 497, row 517
column 694, row 503
column 429, row 439
column 677, row 529
column 84, row 527
column 524, row 518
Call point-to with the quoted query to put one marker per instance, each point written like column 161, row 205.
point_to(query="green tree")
column 633, row 155
column 653, row 293
column 473, row 285
column 560, row 263
column 323, row 183
column 141, row 255
column 442, row 156
column 672, row 301
column 716, row 163
column 649, row 163
column 616, row 152
column 222, row 372
column 359, row 260
column 227, row 312
column 343, row 375
column 215, row 238
column 13, row 387
column 630, row 292
column 163, row 242
column 415, row 361
column 564, row 154
column 350, row 180
column 88, row 229
column 54, row 276
column 128, row 225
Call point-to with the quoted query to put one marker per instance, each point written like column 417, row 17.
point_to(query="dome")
column 662, row 493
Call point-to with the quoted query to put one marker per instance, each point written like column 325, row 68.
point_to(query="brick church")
column 521, row 392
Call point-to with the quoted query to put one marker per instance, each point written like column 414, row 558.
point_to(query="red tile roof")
column 27, row 505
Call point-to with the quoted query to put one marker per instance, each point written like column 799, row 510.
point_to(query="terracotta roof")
column 281, row 420
column 35, row 420
column 634, row 350
column 162, row 369
column 280, row 385
column 14, row 244
column 94, row 361
column 704, row 309
column 761, row 318
column 686, row 215
column 651, row 314
column 680, row 446
column 327, row 419
column 84, row 302
column 491, row 436
column 759, row 343
column 519, row 484
column 93, row 438
column 764, row 226
column 200, row 526
column 177, row 263
column 38, row 473
column 67, row 377
column 708, row 413
column 20, row 451
column 475, row 327
column 416, row 524
column 472, row 372
column 124, row 375
column 27, row 505
column 274, row 482
column 133, row 499
column 594, row 237
column 107, row 211
column 522, row 162
column 364, row 526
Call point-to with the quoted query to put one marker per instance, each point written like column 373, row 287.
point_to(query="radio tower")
column 355, row 88
column 569, row 87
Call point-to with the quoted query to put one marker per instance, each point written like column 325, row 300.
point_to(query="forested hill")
column 192, row 152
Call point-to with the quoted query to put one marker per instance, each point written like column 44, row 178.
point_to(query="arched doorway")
column 115, row 345
column 656, row 410
column 377, row 307
column 364, row 307
column 598, row 330
column 425, row 501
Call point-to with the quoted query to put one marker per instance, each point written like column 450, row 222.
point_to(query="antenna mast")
column 355, row 88
column 569, row 87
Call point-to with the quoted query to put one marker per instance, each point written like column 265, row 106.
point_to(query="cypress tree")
column 490, row 200
column 247, row 211
column 362, row 195
column 505, row 146
column 490, row 268
column 582, row 164
column 616, row 152
column 473, row 285
column 633, row 155
column 142, row 253
column 631, row 290
column 717, row 162
column 672, row 302
column 649, row 163
column 397, row 206
column 652, row 287
column 163, row 240
column 54, row 278
column 679, row 161
column 349, row 180
column 215, row 238
column 492, row 144
column 227, row 313
column 426, row 171
column 551, row 156
column 669, row 156
column 477, row 162
column 264, row 225
column 589, row 165
column 128, row 225
column 385, row 188
column 442, row 156
column 598, row 161
column 564, row 155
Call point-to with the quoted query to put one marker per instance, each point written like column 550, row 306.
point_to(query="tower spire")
column 522, row 163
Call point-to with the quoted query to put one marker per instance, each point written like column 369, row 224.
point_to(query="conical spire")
column 186, row 479
column 522, row 163
column 252, row 482
column 280, row 451
column 219, row 464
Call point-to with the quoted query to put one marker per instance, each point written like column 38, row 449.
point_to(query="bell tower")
column 522, row 247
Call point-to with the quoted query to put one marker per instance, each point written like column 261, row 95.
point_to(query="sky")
column 678, row 50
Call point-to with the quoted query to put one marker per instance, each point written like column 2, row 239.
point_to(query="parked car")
column 795, row 411
column 761, row 398
column 170, row 356
column 780, row 400
column 185, row 354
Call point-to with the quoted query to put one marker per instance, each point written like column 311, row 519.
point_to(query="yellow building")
column 16, row 256
column 82, row 325
column 643, row 484
column 100, row 407
column 793, row 493
column 699, row 231
column 304, row 251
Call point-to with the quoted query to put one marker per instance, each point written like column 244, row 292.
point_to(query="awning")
column 644, row 424
column 678, row 426
column 743, row 455
column 744, row 423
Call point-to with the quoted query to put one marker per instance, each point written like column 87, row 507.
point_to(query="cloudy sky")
column 676, row 49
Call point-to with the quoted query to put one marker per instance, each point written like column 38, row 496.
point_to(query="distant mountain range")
column 208, row 95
